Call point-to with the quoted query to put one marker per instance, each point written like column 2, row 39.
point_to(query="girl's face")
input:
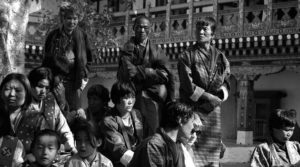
column 283, row 135
column 84, row 145
column 126, row 104
column 40, row 91
column 13, row 94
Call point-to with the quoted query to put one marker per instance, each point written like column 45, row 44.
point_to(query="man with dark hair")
column 203, row 73
column 161, row 149
column 145, row 66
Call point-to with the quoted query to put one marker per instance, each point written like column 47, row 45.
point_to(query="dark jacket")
column 55, row 47
column 118, row 138
column 147, row 68
column 158, row 151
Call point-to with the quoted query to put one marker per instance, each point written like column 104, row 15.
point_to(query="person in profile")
column 162, row 149
column 278, row 150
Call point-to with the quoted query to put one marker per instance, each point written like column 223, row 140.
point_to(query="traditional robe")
column 146, row 68
column 35, row 118
column 11, row 151
column 99, row 161
column 270, row 154
column 201, row 71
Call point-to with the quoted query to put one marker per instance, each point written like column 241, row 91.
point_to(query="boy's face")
column 45, row 150
column 84, row 145
column 283, row 135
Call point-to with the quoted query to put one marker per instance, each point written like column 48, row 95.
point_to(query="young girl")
column 87, row 141
column 278, row 150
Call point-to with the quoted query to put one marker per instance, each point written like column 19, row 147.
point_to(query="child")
column 11, row 149
column 45, row 147
column 278, row 150
column 87, row 141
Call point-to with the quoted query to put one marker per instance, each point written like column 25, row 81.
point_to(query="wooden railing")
column 265, row 31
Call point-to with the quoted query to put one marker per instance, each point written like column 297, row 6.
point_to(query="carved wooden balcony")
column 255, row 35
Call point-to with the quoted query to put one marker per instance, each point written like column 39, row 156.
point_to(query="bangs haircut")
column 121, row 90
column 282, row 118
column 39, row 74
column 45, row 132
column 82, row 125
column 207, row 21
column 175, row 111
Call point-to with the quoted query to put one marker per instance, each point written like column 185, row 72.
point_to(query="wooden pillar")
column 298, row 19
column 147, row 5
column 126, row 26
column 190, row 18
column 245, row 108
column 168, row 15
column 215, row 10
column 269, row 13
column 241, row 16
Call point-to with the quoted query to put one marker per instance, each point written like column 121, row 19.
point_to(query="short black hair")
column 173, row 112
column 281, row 118
column 207, row 21
column 39, row 74
column 99, row 91
column 24, row 81
column 82, row 125
column 138, row 18
column 45, row 132
column 120, row 90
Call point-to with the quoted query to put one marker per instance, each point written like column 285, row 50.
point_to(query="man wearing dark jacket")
column 145, row 66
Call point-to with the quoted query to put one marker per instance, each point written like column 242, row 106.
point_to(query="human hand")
column 59, row 92
column 213, row 100
column 84, row 82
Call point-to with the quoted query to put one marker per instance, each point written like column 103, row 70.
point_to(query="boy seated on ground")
column 278, row 150
column 87, row 141
column 45, row 148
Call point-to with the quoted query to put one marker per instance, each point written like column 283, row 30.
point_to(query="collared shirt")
column 272, row 154
column 99, row 161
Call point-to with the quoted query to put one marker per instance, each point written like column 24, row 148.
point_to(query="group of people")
column 42, row 122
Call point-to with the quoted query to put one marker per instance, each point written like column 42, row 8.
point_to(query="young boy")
column 45, row 147
column 87, row 141
column 278, row 150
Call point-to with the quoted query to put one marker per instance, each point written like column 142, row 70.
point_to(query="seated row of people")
column 31, row 106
